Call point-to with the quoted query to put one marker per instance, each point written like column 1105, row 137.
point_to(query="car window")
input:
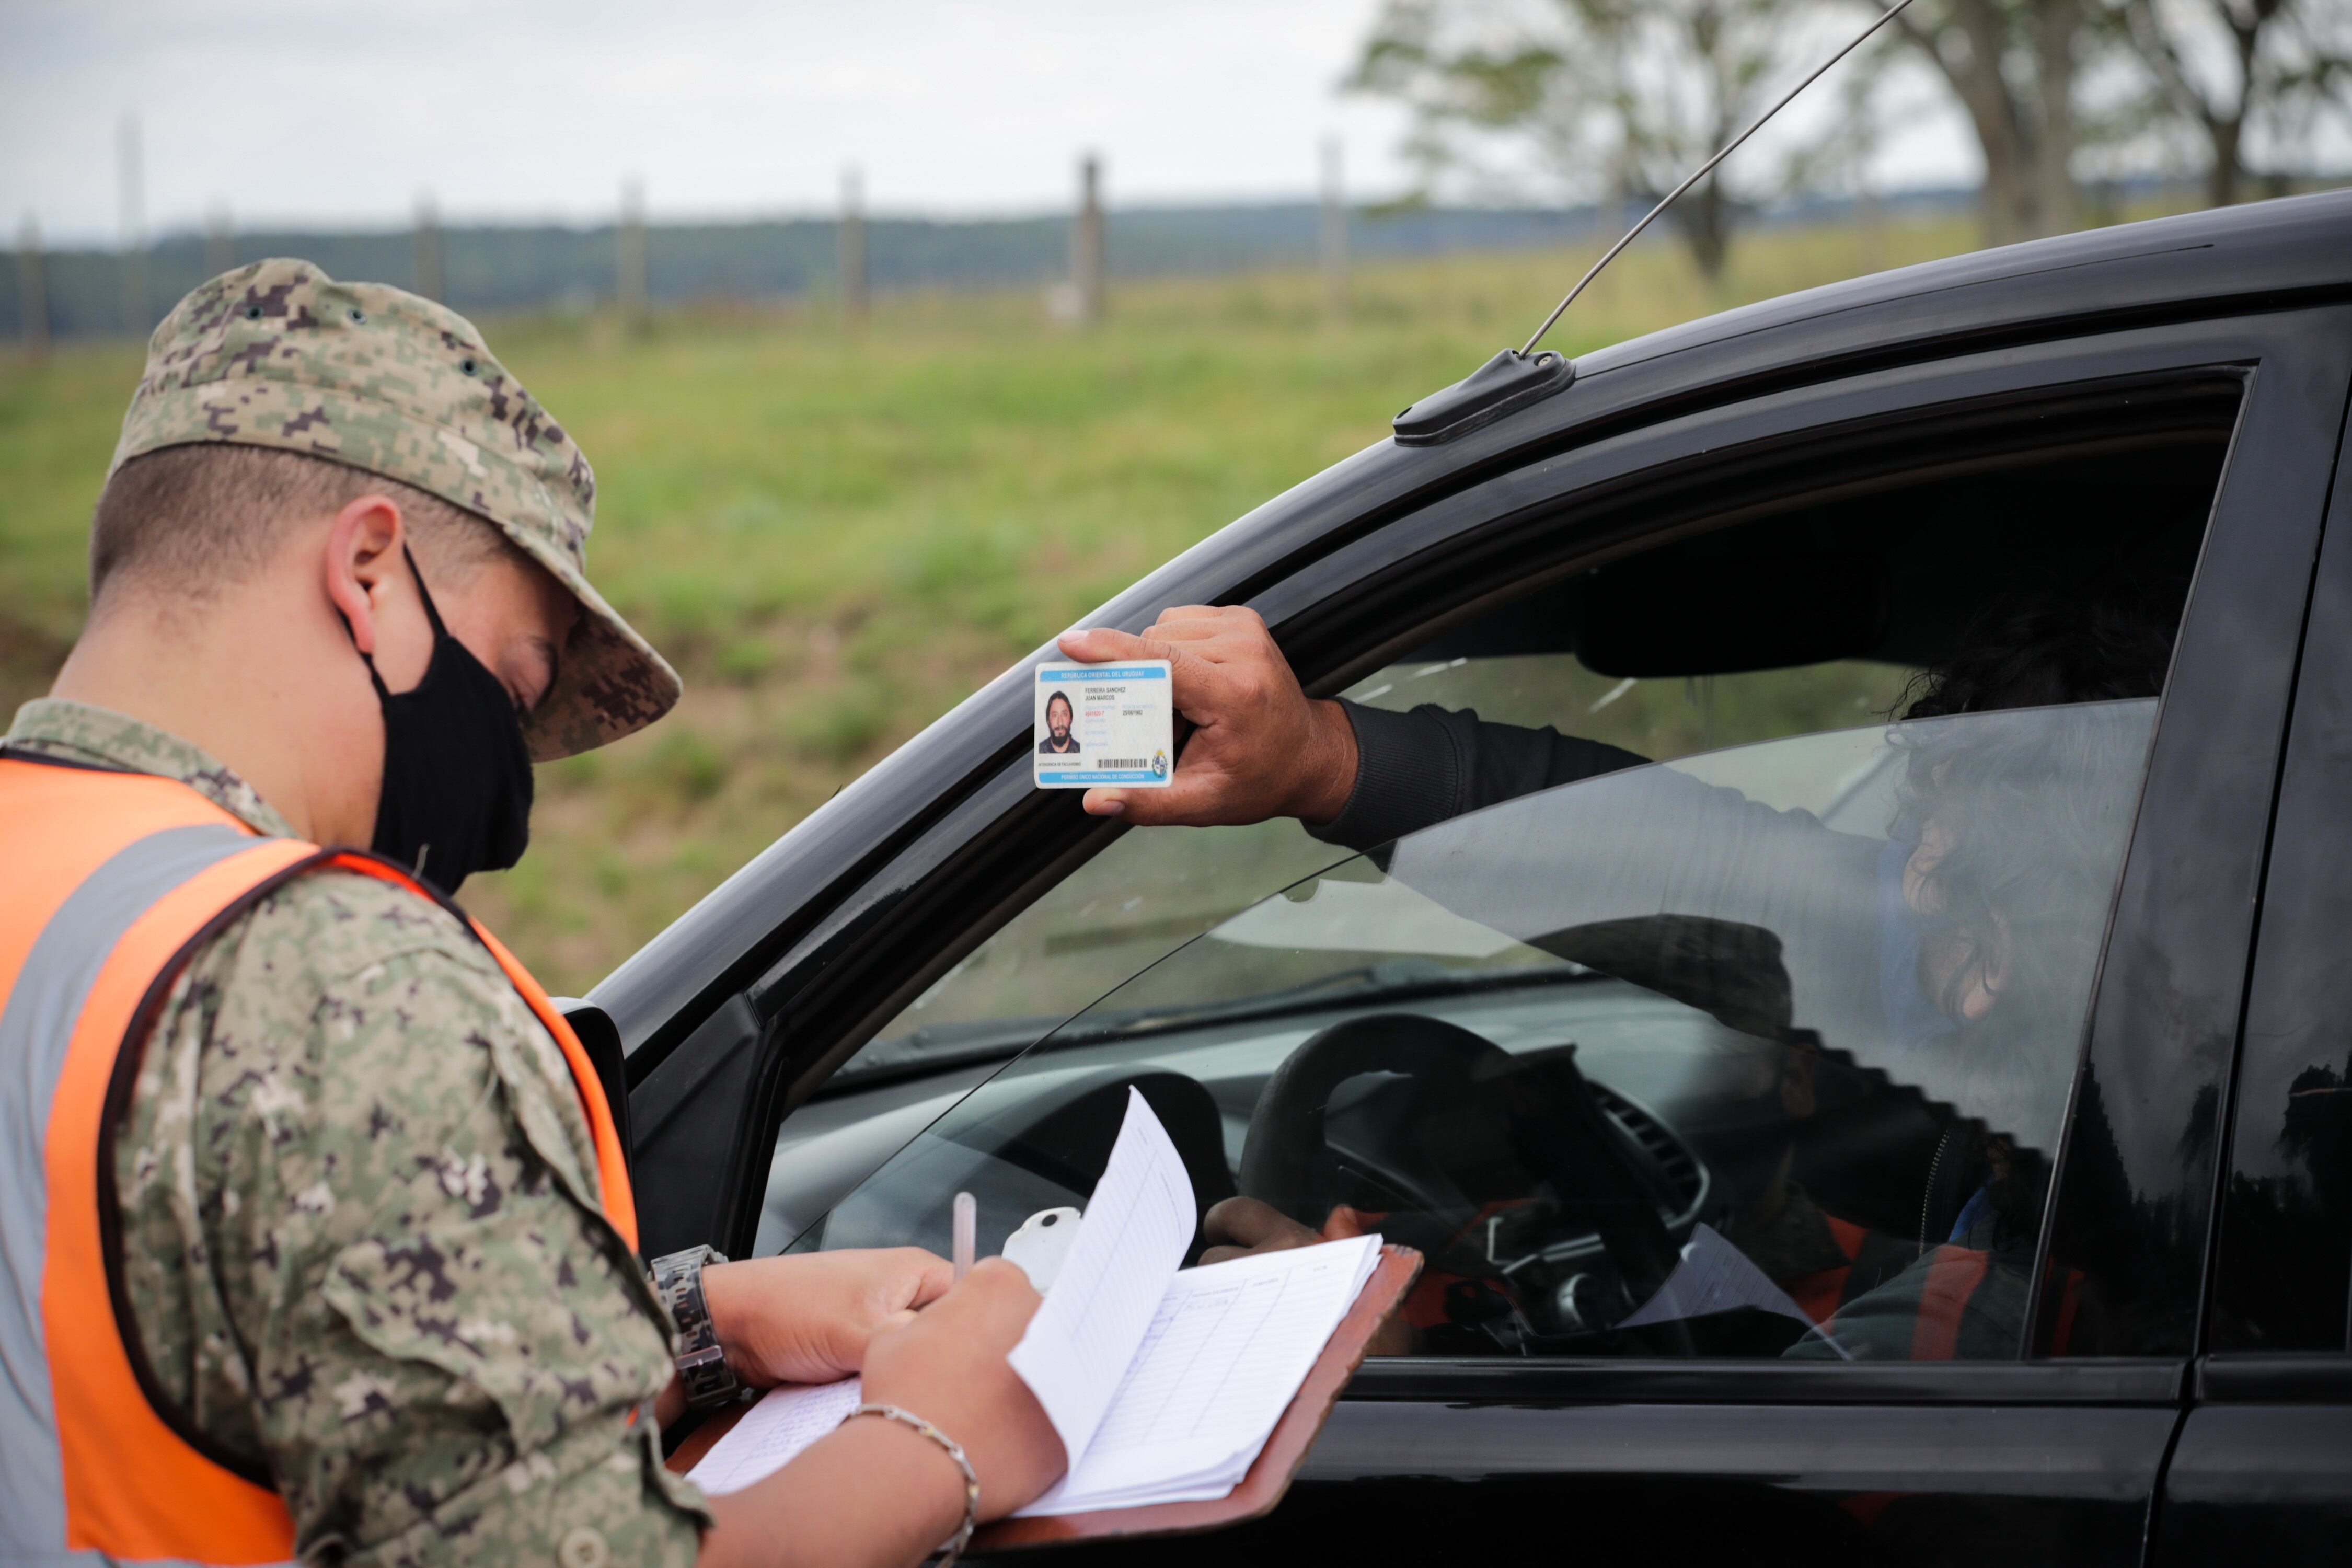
column 1129, row 907
column 1658, row 719
column 1813, row 620
column 1152, row 891
column 1762, row 1053
column 1819, row 616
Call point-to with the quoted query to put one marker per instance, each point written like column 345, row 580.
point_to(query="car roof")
column 2289, row 246
column 2263, row 254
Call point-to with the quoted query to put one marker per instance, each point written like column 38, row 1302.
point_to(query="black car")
column 2084, row 1147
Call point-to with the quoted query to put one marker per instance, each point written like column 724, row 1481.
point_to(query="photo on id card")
column 1105, row 724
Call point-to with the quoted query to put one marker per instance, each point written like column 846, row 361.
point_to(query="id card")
column 1105, row 724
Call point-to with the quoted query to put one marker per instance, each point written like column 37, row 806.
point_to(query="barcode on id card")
column 1122, row 762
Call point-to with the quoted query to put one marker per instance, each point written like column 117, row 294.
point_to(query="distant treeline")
column 506, row 269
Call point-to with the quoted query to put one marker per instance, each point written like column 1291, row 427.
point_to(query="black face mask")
column 457, row 775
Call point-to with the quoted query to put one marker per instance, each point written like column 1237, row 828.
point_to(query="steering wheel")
column 1540, row 1111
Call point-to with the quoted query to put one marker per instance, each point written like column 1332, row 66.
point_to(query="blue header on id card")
column 1107, row 673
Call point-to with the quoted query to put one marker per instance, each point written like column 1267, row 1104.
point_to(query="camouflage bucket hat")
column 279, row 354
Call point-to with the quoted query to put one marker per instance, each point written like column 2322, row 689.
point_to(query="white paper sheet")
column 788, row 1418
column 1223, row 1356
column 1162, row 1385
column 1133, row 1237
column 1716, row 1277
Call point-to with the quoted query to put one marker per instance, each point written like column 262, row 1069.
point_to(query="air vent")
column 1675, row 1162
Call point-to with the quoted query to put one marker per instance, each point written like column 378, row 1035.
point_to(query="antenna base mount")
column 1503, row 384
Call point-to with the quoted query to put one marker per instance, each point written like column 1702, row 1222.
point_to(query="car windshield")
column 1724, row 1056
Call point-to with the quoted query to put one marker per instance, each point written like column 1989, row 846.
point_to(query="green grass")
column 837, row 534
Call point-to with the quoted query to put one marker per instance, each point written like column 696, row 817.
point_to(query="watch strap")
column 702, row 1367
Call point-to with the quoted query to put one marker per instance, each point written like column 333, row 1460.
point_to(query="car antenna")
column 1517, row 377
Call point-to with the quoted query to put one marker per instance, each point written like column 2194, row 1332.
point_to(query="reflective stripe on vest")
column 113, row 880
column 1953, row 1275
column 1872, row 1259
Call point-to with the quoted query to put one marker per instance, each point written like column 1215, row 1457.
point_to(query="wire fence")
column 89, row 292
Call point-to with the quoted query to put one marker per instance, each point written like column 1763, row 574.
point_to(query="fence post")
column 133, row 263
column 849, row 242
column 429, row 281
column 1333, row 236
column 220, row 241
column 1870, row 229
column 32, row 291
column 633, row 251
column 1087, row 243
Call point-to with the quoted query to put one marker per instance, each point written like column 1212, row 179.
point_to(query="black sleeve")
column 1422, row 767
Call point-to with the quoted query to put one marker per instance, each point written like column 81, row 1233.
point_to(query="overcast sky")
column 314, row 112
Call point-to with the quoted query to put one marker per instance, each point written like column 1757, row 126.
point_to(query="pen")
column 966, row 1226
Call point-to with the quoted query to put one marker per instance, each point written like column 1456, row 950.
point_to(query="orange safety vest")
column 1872, row 1259
column 112, row 881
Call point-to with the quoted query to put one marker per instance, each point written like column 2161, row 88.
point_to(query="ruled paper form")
column 788, row 1418
column 1130, row 1241
column 1224, row 1354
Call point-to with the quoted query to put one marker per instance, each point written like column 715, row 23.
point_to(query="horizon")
column 1367, row 211
column 537, row 113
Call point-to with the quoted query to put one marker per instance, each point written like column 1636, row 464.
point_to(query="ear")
column 363, row 553
column 1989, row 975
column 1797, row 1097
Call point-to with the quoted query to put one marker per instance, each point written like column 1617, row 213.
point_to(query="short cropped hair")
column 198, row 518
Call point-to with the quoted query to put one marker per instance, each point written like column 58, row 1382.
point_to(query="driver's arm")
column 1243, row 1227
column 1356, row 776
column 1432, row 763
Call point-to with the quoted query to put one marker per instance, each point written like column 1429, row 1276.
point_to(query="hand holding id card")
column 1105, row 724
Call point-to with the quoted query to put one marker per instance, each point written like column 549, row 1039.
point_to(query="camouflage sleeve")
column 393, row 1283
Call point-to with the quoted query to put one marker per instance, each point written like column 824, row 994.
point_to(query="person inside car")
column 1963, row 878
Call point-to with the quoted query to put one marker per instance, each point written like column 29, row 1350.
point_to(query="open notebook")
column 1163, row 1382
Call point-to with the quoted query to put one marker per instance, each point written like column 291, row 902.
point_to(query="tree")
column 1615, row 97
column 2241, row 72
column 2013, row 64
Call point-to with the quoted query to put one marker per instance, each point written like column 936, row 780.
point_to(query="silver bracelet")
column 952, row 1548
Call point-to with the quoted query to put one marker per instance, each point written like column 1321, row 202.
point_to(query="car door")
column 2052, row 1456
column 2263, row 1467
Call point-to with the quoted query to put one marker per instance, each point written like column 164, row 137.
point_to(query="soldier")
column 318, row 1236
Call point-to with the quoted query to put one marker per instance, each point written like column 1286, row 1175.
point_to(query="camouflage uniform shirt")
column 360, row 1226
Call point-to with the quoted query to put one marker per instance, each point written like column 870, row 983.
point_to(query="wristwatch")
column 702, row 1366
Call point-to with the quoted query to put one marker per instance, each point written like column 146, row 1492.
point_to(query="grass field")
column 836, row 535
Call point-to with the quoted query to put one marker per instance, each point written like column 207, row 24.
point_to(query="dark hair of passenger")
column 2039, row 647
